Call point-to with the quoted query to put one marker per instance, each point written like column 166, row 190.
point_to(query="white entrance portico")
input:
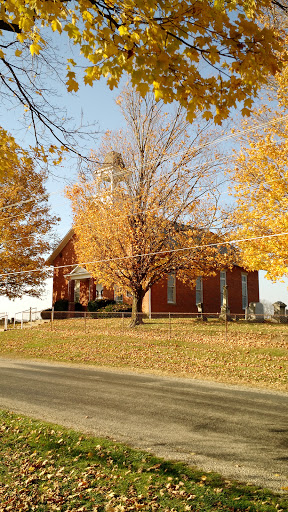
column 74, row 278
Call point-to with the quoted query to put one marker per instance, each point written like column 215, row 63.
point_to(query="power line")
column 47, row 195
column 214, row 142
column 11, row 240
column 195, row 148
column 17, row 204
column 168, row 251
column 204, row 187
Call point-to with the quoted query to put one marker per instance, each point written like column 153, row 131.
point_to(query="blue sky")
column 98, row 107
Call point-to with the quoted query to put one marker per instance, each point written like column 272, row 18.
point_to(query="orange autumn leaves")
column 260, row 179
column 25, row 221
column 206, row 55
column 133, row 225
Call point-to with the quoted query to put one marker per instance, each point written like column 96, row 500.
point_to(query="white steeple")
column 113, row 169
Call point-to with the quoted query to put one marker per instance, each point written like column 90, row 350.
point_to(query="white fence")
column 89, row 319
column 27, row 316
column 4, row 320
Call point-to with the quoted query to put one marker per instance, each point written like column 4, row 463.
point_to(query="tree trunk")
column 137, row 316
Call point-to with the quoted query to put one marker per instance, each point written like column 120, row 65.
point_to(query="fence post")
column 5, row 322
column 169, row 326
column 226, row 327
column 52, row 318
column 123, row 321
column 85, row 326
column 21, row 319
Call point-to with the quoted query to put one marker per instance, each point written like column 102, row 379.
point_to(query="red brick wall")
column 66, row 257
column 186, row 296
column 84, row 291
column 60, row 285
column 235, row 288
column 211, row 290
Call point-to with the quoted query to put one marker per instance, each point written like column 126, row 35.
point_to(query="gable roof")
column 71, row 233
column 78, row 273
column 60, row 247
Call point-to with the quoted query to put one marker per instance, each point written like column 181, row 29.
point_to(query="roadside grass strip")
column 45, row 467
column 251, row 354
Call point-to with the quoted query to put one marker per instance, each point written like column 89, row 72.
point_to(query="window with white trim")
column 171, row 289
column 77, row 290
column 99, row 291
column 244, row 291
column 118, row 294
column 199, row 290
column 222, row 284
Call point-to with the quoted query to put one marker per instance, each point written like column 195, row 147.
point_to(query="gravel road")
column 239, row 432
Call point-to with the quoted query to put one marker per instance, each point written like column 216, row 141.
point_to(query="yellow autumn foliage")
column 203, row 54
column 260, row 179
column 151, row 212
column 25, row 221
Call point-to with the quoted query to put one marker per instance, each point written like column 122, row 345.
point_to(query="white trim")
column 149, row 302
column 99, row 291
column 78, row 273
column 246, row 290
column 171, row 276
column 118, row 294
column 223, row 283
column 199, row 290
column 77, row 290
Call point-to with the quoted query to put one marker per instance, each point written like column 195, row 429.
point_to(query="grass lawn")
column 252, row 354
column 48, row 468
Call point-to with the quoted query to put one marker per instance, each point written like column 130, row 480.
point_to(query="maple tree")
column 260, row 178
column 25, row 222
column 159, row 196
column 207, row 55
column 29, row 86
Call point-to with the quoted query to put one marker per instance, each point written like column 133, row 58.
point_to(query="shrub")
column 46, row 314
column 78, row 306
column 117, row 308
column 95, row 305
column 61, row 305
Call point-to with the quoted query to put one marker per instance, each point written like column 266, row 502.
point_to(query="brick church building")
column 75, row 284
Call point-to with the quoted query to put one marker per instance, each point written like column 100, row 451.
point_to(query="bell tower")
column 112, row 170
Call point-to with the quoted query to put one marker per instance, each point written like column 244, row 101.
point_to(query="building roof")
column 78, row 273
column 60, row 247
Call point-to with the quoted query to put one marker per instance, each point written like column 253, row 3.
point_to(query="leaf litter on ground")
column 49, row 468
column 250, row 354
